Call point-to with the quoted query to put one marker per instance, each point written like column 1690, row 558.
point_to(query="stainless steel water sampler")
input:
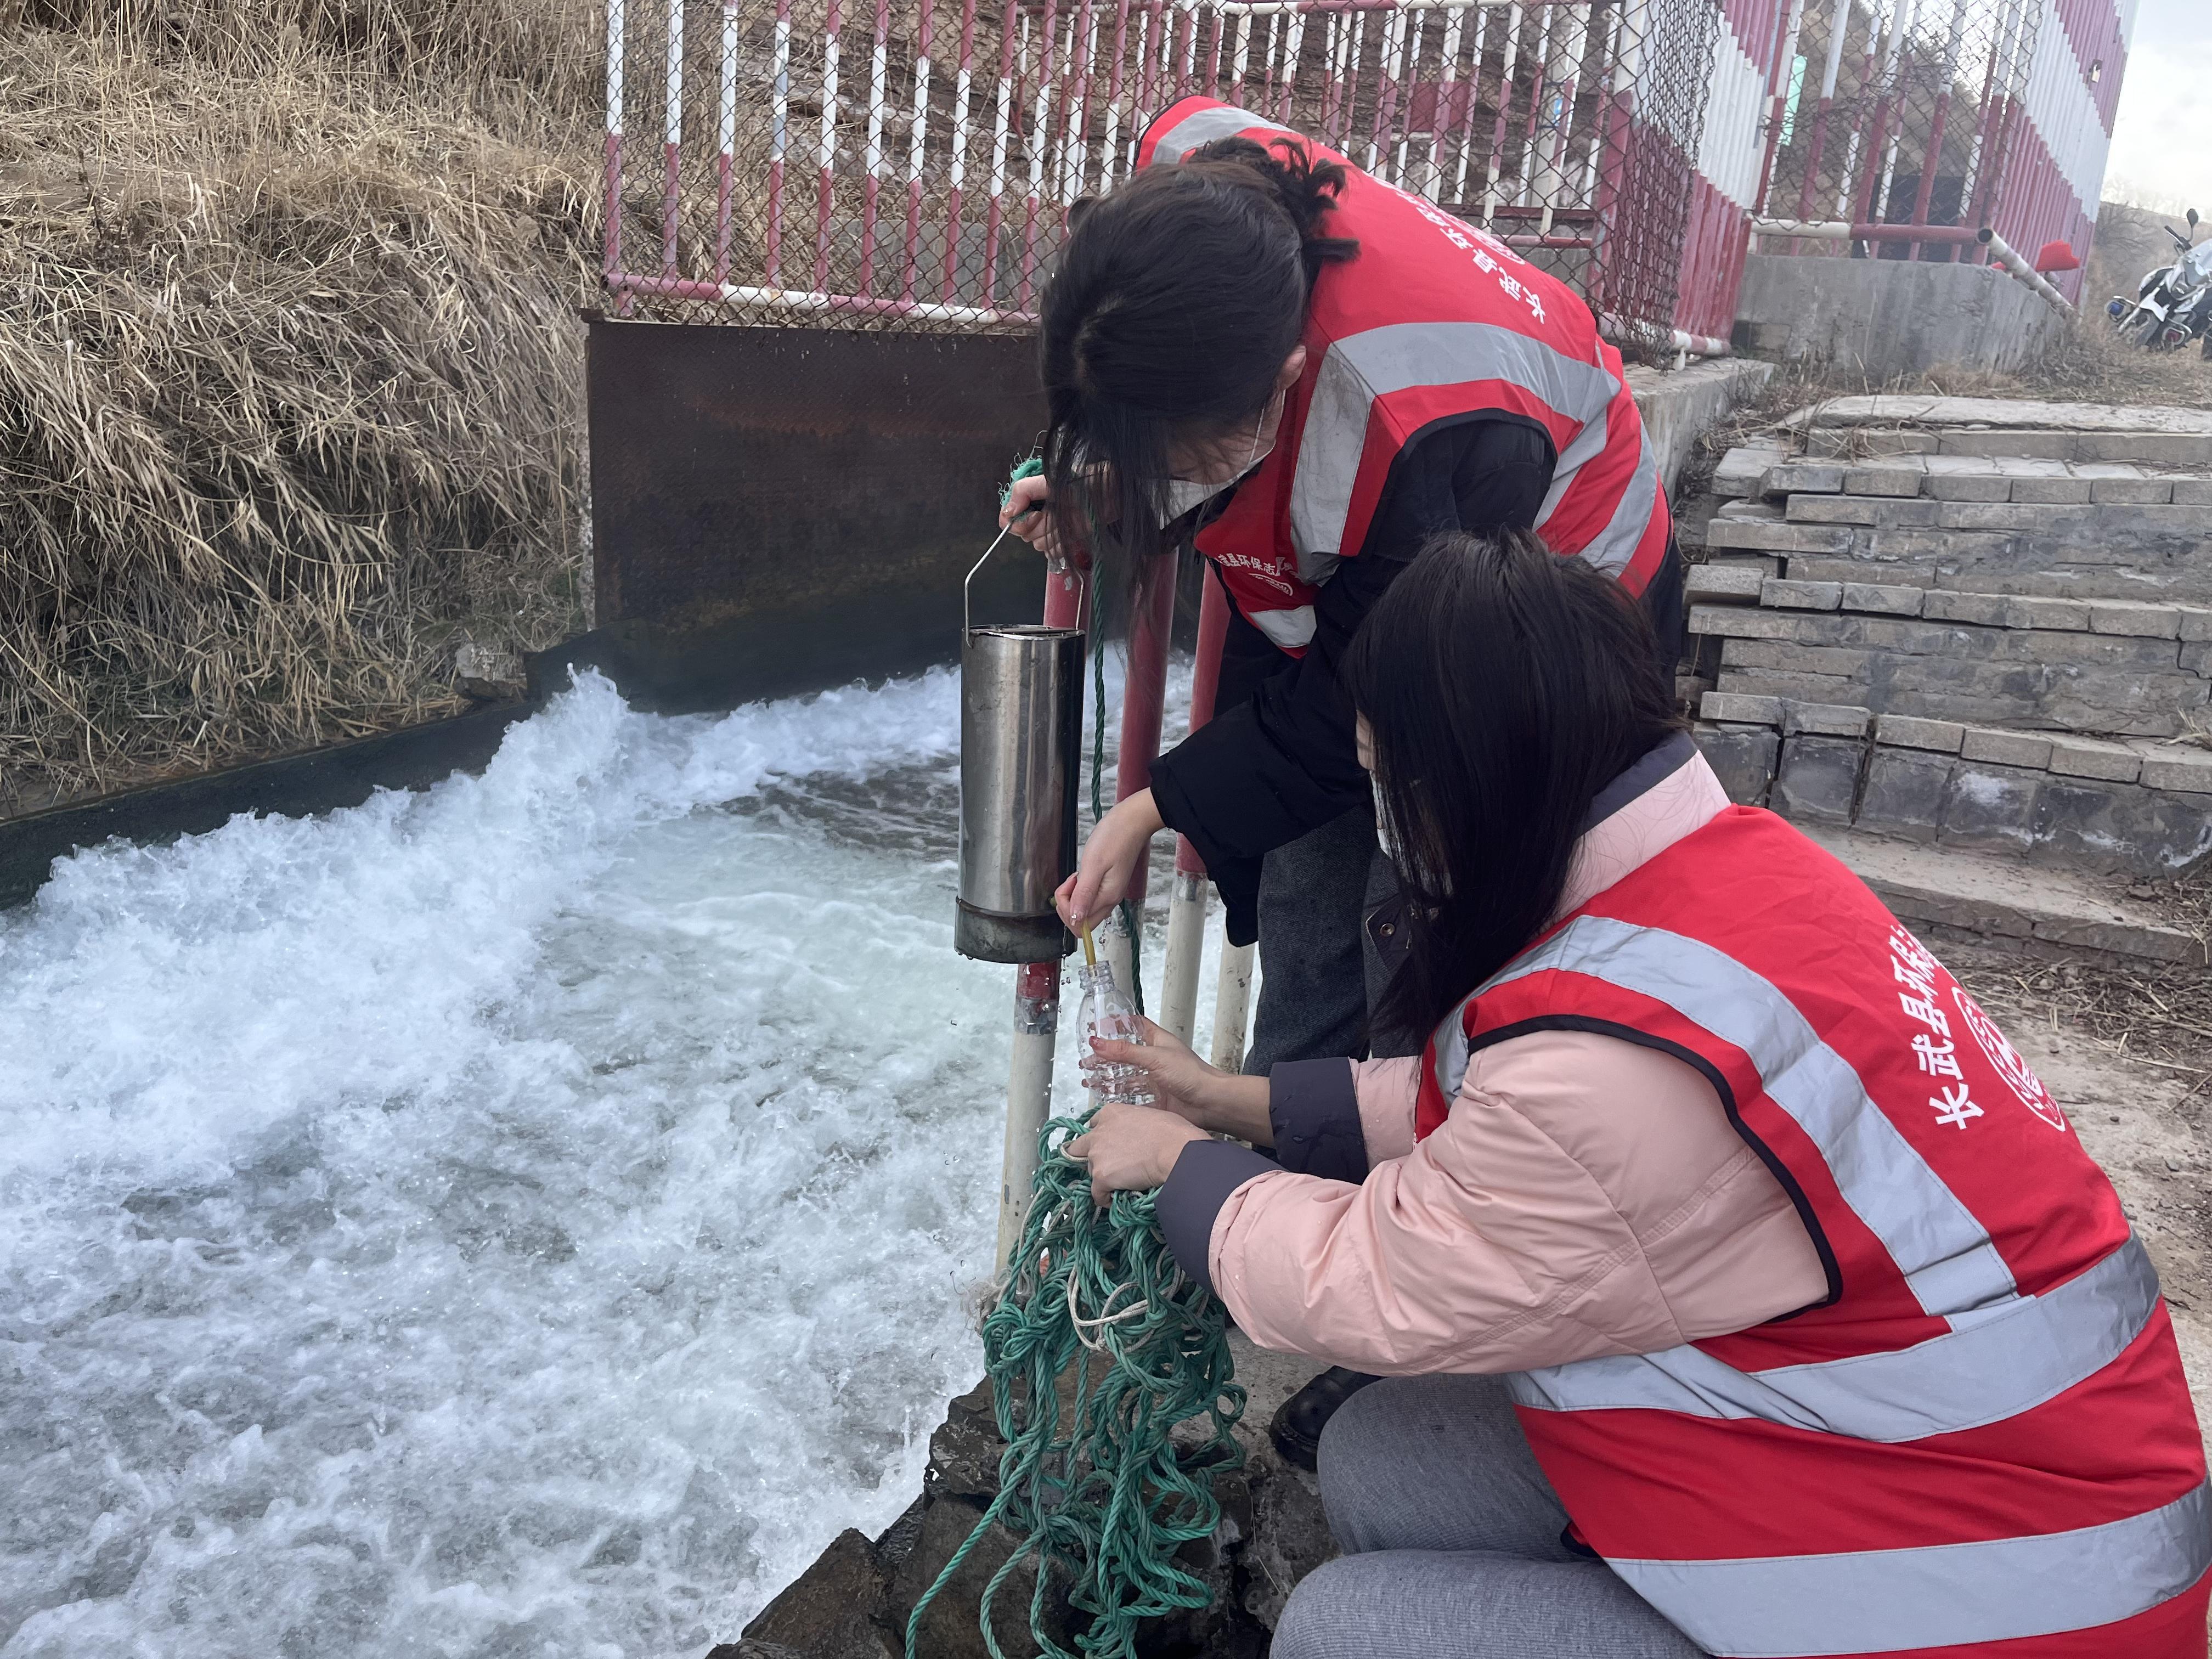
column 1021, row 733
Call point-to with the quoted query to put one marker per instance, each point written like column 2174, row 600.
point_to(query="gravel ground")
column 2140, row 1095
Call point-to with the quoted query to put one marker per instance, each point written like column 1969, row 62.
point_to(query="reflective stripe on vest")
column 1202, row 127
column 1795, row 1606
column 1946, row 1254
column 1292, row 630
column 1379, row 362
column 2021, row 1354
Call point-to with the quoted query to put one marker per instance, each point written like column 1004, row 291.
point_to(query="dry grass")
column 290, row 390
column 2158, row 1016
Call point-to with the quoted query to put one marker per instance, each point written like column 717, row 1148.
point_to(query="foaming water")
column 529, row 1217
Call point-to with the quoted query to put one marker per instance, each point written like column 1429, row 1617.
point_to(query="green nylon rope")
column 1093, row 1481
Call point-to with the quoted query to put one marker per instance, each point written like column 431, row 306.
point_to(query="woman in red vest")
column 1744, row 1290
column 1255, row 346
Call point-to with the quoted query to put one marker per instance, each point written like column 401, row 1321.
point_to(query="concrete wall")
column 1883, row 317
column 1677, row 404
column 776, row 510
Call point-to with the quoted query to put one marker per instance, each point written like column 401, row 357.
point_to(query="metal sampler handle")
column 967, row 609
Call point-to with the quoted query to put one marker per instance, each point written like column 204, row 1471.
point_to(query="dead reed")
column 290, row 375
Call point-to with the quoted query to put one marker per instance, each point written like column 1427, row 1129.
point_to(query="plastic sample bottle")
column 1108, row 1012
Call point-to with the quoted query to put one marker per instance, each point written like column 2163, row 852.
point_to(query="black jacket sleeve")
column 1278, row 757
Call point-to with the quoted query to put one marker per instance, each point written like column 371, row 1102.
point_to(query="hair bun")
column 1306, row 188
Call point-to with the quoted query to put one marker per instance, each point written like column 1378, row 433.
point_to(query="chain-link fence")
column 912, row 163
column 1902, row 113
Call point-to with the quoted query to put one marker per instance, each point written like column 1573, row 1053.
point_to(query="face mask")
column 1182, row 495
column 1385, row 836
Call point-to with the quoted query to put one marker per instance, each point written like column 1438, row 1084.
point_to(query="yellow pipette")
column 1090, row 950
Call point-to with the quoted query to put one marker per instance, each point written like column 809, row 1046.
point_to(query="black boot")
column 1299, row 1420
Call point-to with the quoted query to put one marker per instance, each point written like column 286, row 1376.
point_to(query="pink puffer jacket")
column 1586, row 1197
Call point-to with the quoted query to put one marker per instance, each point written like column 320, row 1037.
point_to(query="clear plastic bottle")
column 1108, row 1012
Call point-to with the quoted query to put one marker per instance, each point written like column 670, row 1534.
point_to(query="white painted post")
column 1029, row 1094
column 1232, row 1005
column 1186, row 945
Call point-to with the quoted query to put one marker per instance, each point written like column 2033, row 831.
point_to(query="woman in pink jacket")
column 1737, row 1286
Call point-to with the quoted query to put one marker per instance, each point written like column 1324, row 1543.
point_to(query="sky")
column 2162, row 138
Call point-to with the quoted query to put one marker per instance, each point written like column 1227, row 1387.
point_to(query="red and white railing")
column 941, row 205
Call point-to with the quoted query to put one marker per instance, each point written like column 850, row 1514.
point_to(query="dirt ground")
column 2142, row 1103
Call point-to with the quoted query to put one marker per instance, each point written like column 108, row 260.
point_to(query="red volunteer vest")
column 1434, row 320
column 1982, row 1443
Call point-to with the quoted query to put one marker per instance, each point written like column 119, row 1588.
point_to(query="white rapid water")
column 530, row 1217
column 527, row 1218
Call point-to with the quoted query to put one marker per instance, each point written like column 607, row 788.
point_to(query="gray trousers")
column 1319, row 973
column 1452, row 1542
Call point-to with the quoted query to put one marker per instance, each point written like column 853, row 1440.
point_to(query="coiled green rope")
column 1094, row 1482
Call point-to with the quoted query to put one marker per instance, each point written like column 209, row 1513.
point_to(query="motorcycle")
column 2172, row 304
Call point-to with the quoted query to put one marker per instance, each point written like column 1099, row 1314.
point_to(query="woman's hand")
column 1132, row 1148
column 1219, row 1102
column 1028, row 512
column 1110, row 859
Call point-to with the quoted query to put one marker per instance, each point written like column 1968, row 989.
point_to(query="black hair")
column 1504, row 687
column 1176, row 299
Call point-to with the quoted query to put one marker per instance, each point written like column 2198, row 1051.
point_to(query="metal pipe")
column 1617, row 328
column 1837, row 230
column 1036, row 984
column 1029, row 1094
column 784, row 299
column 1144, row 695
column 1232, row 1006
column 1187, row 906
column 2001, row 251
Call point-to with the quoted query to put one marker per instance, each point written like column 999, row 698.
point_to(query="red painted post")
column 1205, row 685
column 1143, row 694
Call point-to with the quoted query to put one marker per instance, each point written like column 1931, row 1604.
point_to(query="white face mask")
column 1182, row 495
column 1385, row 836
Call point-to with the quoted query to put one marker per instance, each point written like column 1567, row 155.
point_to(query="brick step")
column 2051, row 798
column 1917, row 423
column 2037, row 466
column 2153, row 552
column 1982, row 479
column 2105, row 667
column 1831, row 524
column 1942, row 892
column 1872, row 443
